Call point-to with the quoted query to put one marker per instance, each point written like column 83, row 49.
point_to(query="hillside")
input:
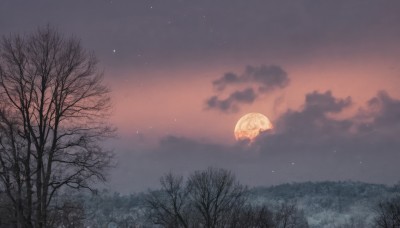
column 325, row 204
column 329, row 204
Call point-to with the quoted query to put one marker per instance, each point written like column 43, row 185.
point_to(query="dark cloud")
column 312, row 129
column 230, row 104
column 308, row 144
column 313, row 119
column 385, row 110
column 311, row 125
column 228, row 78
column 262, row 79
column 267, row 78
column 325, row 102
column 380, row 119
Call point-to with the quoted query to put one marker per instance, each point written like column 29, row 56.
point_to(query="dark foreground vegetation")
column 53, row 111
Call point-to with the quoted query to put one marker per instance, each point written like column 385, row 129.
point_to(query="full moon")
column 250, row 125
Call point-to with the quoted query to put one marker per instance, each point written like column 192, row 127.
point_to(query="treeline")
column 207, row 198
column 332, row 204
column 214, row 198
column 323, row 204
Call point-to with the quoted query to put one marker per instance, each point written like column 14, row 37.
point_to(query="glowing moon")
column 250, row 125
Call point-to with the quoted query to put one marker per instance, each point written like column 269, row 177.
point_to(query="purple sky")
column 183, row 72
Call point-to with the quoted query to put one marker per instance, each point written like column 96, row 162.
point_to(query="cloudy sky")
column 182, row 72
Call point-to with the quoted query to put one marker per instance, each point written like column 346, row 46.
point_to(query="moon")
column 251, row 125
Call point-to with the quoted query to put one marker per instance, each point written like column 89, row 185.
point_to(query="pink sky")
column 168, row 102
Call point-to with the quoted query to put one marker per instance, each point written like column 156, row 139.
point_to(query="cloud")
column 325, row 102
column 380, row 118
column 385, row 109
column 311, row 125
column 313, row 119
column 308, row 144
column 230, row 104
column 267, row 78
column 374, row 129
column 228, row 78
column 258, row 79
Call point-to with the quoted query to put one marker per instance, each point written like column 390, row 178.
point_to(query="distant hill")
column 329, row 204
column 325, row 204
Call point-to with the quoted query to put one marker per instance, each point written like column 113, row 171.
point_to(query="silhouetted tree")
column 356, row 222
column 7, row 217
column 252, row 217
column 215, row 195
column 288, row 216
column 388, row 213
column 213, row 198
column 169, row 206
column 208, row 199
column 53, row 107
column 70, row 214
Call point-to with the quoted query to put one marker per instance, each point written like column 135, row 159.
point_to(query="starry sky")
column 182, row 72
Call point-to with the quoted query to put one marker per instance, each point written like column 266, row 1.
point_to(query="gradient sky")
column 327, row 73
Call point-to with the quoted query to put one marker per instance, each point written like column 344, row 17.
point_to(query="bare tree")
column 70, row 214
column 214, row 198
column 53, row 111
column 209, row 198
column 355, row 221
column 388, row 213
column 252, row 217
column 6, row 216
column 288, row 216
column 215, row 195
column 285, row 216
column 169, row 206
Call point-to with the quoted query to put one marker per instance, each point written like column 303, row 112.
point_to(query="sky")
column 182, row 73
